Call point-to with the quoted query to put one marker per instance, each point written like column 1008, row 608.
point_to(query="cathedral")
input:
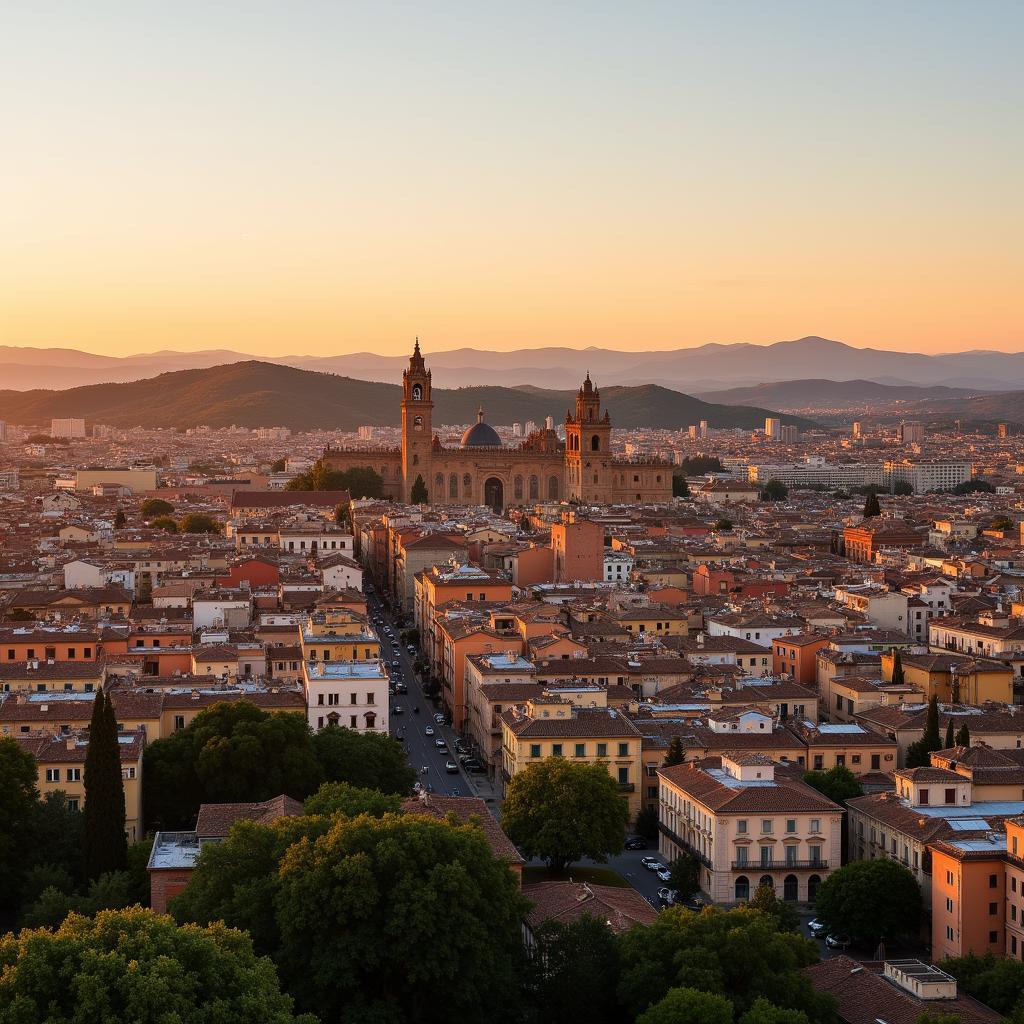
column 483, row 471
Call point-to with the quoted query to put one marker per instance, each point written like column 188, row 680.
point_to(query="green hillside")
column 256, row 394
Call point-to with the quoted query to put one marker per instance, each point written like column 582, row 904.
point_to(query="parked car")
column 440, row 742
column 651, row 863
column 816, row 928
column 428, row 730
column 401, row 688
column 396, row 663
column 838, row 940
column 667, row 896
column 397, row 709
column 439, row 718
column 664, row 874
column 411, row 649
column 451, row 767
column 635, row 843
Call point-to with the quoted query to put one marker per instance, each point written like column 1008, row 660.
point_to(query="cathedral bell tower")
column 417, row 424
column 588, row 450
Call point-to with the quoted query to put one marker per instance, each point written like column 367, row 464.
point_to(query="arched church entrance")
column 494, row 493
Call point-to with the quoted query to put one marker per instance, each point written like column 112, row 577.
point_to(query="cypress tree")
column 418, row 495
column 949, row 736
column 932, row 739
column 897, row 669
column 675, row 753
column 104, row 844
column 871, row 506
column 963, row 737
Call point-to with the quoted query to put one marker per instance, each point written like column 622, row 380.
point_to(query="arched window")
column 790, row 888
column 742, row 888
column 467, row 485
column 417, row 422
column 517, row 488
column 553, row 487
column 371, row 719
column 595, row 443
column 439, row 484
column 453, row 485
column 534, row 488
column 812, row 888
column 417, row 392
column 766, row 880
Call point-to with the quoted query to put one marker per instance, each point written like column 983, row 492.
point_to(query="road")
column 409, row 727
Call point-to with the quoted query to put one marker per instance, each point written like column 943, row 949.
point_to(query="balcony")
column 778, row 865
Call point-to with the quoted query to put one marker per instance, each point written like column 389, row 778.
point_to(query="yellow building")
column 60, row 762
column 338, row 634
column 954, row 678
column 554, row 727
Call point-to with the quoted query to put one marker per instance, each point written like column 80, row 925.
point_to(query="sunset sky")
column 305, row 177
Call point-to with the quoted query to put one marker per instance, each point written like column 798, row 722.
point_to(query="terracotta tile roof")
column 468, row 809
column 282, row 499
column 569, row 901
column 215, row 820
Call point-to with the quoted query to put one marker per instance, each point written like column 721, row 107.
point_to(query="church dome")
column 481, row 435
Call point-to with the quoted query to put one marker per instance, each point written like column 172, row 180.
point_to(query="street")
column 409, row 727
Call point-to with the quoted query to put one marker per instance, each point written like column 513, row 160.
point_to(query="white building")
column 617, row 566
column 772, row 427
column 68, row 427
column 340, row 572
column 352, row 694
column 928, row 474
column 221, row 609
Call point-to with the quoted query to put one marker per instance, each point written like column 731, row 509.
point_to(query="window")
column 993, row 881
column 791, row 824
column 370, row 699
column 816, row 825
column 766, row 857
column 73, row 804
column 876, row 762
column 949, row 932
column 951, row 796
column 534, row 750
column 791, row 852
column 924, row 796
column 993, row 937
column 53, row 775
column 949, row 878
column 623, row 750
column 741, row 826
column 602, row 750
column 993, row 909
column 556, row 749
column 352, row 721
column 741, row 855
column 74, row 775
column 766, row 825
column 581, row 750
column 128, row 773
column 623, row 776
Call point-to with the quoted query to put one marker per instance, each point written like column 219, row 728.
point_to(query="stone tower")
column 417, row 423
column 588, row 434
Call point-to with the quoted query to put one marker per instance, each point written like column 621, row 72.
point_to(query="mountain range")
column 254, row 394
column 797, row 395
column 702, row 369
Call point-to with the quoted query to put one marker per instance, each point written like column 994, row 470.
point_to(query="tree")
column 155, row 507
column 871, row 506
column 931, row 729
column 898, row 677
column 950, row 736
column 165, row 523
column 370, row 760
column 996, row 981
column 278, row 465
column 198, row 522
column 739, row 951
column 963, row 736
column 762, row 1012
column 723, row 524
column 351, row 801
column 131, row 965
column 418, row 495
column 839, row 784
column 902, row 487
column 680, row 488
column 17, row 805
column 120, row 519
column 676, row 753
column 774, row 490
column 870, row 900
column 572, row 973
column 973, row 486
column 360, row 481
column 685, row 880
column 230, row 752
column 562, row 811
column 698, row 465
column 646, row 823
column 103, row 840
column 927, row 1017
column 403, row 889
column 688, row 1006
column 114, row 890
column 342, row 515
column 1001, row 523
column 784, row 915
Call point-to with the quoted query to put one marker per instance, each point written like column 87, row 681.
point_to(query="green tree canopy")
column 562, row 811
column 972, row 486
column 344, row 798
column 723, row 524
column 646, row 823
column 278, row 465
column 155, row 507
column 898, row 675
column 370, row 760
column 230, row 752
column 839, row 784
column 418, row 495
column 740, row 951
column 902, row 487
column 774, row 490
column 131, row 965
column 784, row 914
column 688, row 1006
column 359, row 481
column 198, row 522
column 963, row 735
column 870, row 900
column 17, row 807
column 698, row 465
column 996, row 981
column 676, row 753
column 871, row 506
column 408, row 890
column 165, row 523
column 762, row 1012
column 103, row 840
column 120, row 519
column 950, row 735
column 685, row 878
column 680, row 488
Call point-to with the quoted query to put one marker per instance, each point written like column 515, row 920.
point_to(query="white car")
column 651, row 863
column 664, row 874
column 428, row 731
column 667, row 896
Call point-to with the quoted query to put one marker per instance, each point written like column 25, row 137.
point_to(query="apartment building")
column 750, row 822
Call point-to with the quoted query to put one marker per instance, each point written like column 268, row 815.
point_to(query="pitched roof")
column 215, row 820
column 621, row 908
column 468, row 809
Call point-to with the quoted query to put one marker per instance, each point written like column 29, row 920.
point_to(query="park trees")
column 683, row 1005
column 839, row 784
column 103, row 839
column 17, row 803
column 870, row 900
column 774, row 490
column 131, row 965
column 155, row 507
column 369, row 760
column 561, row 811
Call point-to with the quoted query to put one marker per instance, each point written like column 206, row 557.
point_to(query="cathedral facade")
column 483, row 471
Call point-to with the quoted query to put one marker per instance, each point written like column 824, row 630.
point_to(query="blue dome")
column 481, row 435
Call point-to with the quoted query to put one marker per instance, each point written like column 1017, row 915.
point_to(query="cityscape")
column 442, row 578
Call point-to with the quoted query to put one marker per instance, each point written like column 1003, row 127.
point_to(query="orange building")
column 969, row 896
column 797, row 656
column 579, row 551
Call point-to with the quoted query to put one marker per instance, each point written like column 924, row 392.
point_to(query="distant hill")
column 986, row 409
column 832, row 394
column 254, row 394
column 700, row 369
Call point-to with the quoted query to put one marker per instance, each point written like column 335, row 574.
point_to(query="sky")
column 325, row 177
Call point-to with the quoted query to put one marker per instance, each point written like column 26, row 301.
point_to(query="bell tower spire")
column 417, row 422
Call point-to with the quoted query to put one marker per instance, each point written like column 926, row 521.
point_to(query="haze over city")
column 335, row 178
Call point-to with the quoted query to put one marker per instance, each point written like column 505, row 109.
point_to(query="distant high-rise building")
column 517, row 430
column 703, row 429
column 68, row 427
column 912, row 432
column 772, row 427
column 549, row 422
column 366, row 433
column 787, row 434
column 529, row 428
column 693, row 431
column 856, row 430
column 1002, row 430
column 3, row 431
